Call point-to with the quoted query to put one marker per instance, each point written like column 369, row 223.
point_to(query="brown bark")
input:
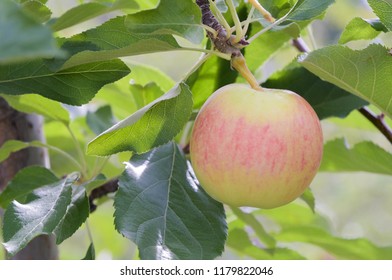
column 24, row 127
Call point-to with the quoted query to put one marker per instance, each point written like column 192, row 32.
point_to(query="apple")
column 258, row 148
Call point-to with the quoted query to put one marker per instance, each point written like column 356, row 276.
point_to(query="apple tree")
column 120, row 85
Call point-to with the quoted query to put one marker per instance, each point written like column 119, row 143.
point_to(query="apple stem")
column 238, row 62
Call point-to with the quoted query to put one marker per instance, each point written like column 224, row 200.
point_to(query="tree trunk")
column 24, row 127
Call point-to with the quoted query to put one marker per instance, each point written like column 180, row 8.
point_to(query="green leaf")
column 145, row 74
column 75, row 86
column 24, row 1
column 362, row 29
column 96, row 182
column 23, row 38
column 162, row 208
column 365, row 73
column 76, row 214
column 153, row 125
column 88, row 11
column 326, row 99
column 353, row 249
column 11, row 146
column 143, row 95
column 309, row 199
column 383, row 9
column 90, row 254
column 113, row 39
column 308, row 9
column 239, row 241
column 42, row 212
column 37, row 10
column 24, row 182
column 181, row 18
column 101, row 119
column 295, row 17
column 212, row 75
column 261, row 49
column 250, row 220
column 364, row 156
column 293, row 215
column 33, row 103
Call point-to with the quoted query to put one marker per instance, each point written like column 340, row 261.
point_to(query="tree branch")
column 377, row 120
column 300, row 45
column 108, row 187
column 221, row 39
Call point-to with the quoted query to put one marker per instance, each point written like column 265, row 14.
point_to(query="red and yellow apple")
column 256, row 148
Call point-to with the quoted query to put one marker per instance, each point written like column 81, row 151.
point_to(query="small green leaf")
column 153, row 125
column 37, row 10
column 101, row 119
column 33, row 103
column 365, row 73
column 41, row 213
column 293, row 215
column 362, row 29
column 326, row 99
column 94, row 183
column 309, row 199
column 212, row 75
column 23, row 38
column 24, row 182
column 75, row 86
column 364, row 156
column 308, row 9
column 250, row 220
column 143, row 95
column 261, row 49
column 10, row 147
column 162, row 208
column 145, row 74
column 88, row 11
column 239, row 241
column 76, row 214
column 90, row 254
column 296, row 17
column 182, row 18
column 383, row 9
column 113, row 39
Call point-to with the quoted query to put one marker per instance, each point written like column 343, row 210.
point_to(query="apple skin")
column 256, row 148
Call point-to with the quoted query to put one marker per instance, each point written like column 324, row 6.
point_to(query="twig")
column 186, row 149
column 300, row 45
column 377, row 120
column 105, row 189
column 222, row 42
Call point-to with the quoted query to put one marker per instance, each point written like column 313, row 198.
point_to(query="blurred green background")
column 355, row 204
